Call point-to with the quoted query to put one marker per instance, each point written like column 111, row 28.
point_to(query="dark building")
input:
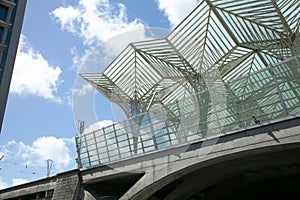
column 11, row 19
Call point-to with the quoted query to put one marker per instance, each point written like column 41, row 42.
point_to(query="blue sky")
column 57, row 37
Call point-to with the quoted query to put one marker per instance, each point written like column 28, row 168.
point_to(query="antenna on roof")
column 81, row 127
column 49, row 166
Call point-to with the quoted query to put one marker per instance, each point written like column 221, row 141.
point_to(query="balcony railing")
column 269, row 94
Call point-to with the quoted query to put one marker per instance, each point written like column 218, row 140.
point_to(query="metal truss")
column 219, row 40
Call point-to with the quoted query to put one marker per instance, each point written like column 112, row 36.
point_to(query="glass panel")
column 259, row 96
column 3, row 13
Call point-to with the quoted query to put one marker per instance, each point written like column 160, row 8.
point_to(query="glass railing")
column 260, row 97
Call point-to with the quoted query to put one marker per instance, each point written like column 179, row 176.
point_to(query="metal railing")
column 269, row 94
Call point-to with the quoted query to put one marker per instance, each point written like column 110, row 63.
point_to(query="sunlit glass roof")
column 226, row 39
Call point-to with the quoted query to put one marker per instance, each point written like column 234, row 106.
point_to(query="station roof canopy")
column 218, row 40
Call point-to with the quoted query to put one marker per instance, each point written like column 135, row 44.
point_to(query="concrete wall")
column 159, row 172
column 66, row 186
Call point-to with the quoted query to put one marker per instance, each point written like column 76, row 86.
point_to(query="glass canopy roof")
column 219, row 41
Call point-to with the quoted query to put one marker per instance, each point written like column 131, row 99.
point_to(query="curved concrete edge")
column 164, row 170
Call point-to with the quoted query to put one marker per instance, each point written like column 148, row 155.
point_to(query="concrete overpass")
column 258, row 163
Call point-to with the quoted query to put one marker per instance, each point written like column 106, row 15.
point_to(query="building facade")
column 11, row 20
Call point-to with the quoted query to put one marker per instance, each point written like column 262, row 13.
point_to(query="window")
column 49, row 193
column 1, row 33
column 3, row 12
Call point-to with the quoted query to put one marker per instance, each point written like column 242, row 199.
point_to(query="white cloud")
column 66, row 17
column 19, row 181
column 176, row 10
column 95, row 20
column 2, row 184
column 114, row 45
column 97, row 126
column 33, row 75
column 76, row 58
column 42, row 149
column 52, row 148
column 83, row 89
